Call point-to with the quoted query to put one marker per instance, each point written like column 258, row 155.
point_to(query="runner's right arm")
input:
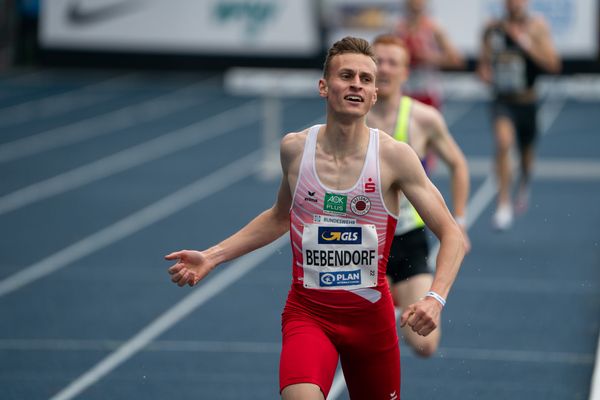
column 192, row 266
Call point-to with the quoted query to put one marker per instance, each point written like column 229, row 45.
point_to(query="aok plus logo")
column 335, row 203
column 340, row 235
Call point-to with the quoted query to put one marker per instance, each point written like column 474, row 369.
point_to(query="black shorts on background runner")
column 523, row 117
column 409, row 255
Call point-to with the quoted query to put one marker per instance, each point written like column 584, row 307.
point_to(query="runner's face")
column 350, row 87
column 392, row 68
column 416, row 6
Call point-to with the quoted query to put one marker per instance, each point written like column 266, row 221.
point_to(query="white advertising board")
column 221, row 27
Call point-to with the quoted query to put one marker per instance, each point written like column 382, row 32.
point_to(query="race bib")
column 340, row 257
column 509, row 73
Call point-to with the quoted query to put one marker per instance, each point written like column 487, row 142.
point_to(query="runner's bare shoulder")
column 292, row 145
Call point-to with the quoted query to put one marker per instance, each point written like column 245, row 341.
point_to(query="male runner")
column 339, row 197
column 514, row 51
column 424, row 129
column 430, row 50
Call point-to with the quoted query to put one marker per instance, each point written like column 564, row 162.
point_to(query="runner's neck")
column 341, row 140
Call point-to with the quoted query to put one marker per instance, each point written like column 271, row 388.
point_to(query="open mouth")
column 354, row 98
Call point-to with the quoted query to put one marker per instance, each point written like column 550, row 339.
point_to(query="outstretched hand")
column 191, row 267
column 423, row 316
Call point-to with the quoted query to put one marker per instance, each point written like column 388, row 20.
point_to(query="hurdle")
column 272, row 86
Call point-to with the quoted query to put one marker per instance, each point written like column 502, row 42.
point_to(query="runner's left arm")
column 424, row 315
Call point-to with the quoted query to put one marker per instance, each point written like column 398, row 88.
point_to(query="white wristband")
column 462, row 220
column 436, row 296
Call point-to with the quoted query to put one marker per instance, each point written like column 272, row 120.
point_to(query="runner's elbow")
column 456, row 235
column 282, row 222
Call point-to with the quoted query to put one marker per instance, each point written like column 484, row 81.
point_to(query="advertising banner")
column 213, row 27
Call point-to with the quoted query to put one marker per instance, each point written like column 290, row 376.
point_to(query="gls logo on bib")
column 340, row 235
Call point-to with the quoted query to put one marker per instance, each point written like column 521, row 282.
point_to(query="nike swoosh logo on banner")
column 77, row 15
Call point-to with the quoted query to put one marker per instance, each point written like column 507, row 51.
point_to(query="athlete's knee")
column 302, row 391
column 504, row 137
column 504, row 144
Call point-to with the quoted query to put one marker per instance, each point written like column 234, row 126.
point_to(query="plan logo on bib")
column 343, row 278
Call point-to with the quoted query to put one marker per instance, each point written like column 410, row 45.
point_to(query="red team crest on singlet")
column 360, row 205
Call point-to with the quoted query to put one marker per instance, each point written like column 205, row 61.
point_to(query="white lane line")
column 573, row 169
column 201, row 295
column 135, row 222
column 181, row 309
column 548, row 113
column 98, row 125
column 595, row 382
column 61, row 102
column 49, row 106
column 207, row 346
column 479, row 201
column 132, row 157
